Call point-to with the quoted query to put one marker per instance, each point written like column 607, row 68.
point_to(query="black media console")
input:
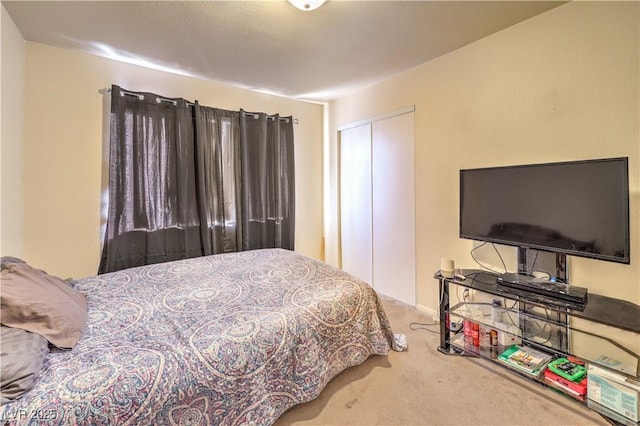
column 570, row 327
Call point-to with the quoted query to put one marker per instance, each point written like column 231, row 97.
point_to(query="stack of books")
column 526, row 359
column 568, row 376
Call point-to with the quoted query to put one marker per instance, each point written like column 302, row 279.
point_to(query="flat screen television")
column 577, row 208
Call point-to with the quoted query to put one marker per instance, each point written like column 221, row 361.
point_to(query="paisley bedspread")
column 218, row 340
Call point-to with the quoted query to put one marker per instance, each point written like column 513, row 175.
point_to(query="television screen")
column 578, row 208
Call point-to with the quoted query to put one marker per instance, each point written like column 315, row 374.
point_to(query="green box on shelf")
column 567, row 369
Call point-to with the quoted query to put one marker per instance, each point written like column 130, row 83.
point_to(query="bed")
column 228, row 339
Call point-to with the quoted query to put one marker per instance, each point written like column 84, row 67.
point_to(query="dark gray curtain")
column 152, row 214
column 266, row 147
column 218, row 171
column 187, row 180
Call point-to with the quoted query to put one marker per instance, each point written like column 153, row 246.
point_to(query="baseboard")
column 431, row 312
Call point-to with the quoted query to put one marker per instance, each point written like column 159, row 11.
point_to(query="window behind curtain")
column 218, row 171
column 187, row 180
column 152, row 212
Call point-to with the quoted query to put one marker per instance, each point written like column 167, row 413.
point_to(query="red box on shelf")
column 576, row 387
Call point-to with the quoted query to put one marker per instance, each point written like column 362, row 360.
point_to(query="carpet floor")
column 425, row 387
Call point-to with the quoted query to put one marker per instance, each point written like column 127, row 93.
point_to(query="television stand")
column 549, row 325
column 549, row 289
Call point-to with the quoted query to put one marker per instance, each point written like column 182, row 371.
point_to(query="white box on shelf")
column 508, row 337
column 614, row 364
column 614, row 391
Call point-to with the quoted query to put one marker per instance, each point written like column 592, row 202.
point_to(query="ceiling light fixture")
column 307, row 5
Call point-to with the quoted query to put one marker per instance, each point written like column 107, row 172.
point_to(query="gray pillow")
column 41, row 303
column 5, row 260
column 22, row 355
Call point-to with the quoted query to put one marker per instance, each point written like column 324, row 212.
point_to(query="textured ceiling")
column 269, row 45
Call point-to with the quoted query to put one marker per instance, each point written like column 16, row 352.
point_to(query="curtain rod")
column 161, row 99
column 270, row 117
column 141, row 96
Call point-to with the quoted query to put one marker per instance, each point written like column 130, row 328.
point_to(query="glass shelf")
column 539, row 330
column 556, row 327
column 617, row 313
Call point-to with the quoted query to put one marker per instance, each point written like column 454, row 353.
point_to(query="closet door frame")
column 408, row 274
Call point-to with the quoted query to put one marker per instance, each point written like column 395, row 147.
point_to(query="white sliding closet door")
column 355, row 202
column 393, row 199
column 377, row 211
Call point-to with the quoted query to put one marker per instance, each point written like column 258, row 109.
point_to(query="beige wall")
column 11, row 136
column 64, row 141
column 561, row 86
